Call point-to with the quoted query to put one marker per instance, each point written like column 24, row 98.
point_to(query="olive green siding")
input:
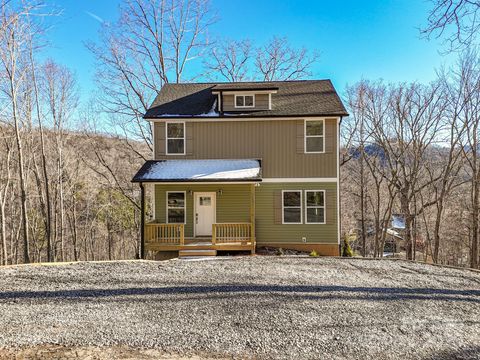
column 278, row 143
column 261, row 103
column 269, row 231
column 233, row 205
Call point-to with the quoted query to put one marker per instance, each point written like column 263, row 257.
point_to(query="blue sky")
column 356, row 39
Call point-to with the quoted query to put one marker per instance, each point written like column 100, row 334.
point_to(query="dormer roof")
column 289, row 98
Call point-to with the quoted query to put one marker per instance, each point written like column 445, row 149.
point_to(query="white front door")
column 204, row 213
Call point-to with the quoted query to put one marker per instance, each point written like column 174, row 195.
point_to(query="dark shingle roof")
column 293, row 98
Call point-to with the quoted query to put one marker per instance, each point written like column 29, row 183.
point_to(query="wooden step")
column 197, row 252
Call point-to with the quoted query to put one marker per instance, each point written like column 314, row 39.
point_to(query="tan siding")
column 189, row 132
column 279, row 143
column 261, row 103
column 330, row 138
column 159, row 134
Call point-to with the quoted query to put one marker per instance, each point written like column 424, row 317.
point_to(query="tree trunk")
column 475, row 211
column 405, row 206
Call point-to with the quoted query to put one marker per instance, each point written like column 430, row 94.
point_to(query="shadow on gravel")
column 304, row 291
column 466, row 353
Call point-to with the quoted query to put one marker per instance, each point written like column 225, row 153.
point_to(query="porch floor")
column 200, row 244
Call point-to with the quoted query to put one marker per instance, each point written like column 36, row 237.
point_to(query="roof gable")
column 293, row 98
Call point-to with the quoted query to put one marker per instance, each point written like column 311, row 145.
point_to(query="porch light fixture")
column 219, row 191
column 190, row 192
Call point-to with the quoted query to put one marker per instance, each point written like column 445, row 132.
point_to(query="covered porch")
column 199, row 206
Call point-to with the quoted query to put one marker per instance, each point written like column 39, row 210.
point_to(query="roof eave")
column 148, row 118
column 254, row 180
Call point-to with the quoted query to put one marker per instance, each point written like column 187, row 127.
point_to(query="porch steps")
column 196, row 253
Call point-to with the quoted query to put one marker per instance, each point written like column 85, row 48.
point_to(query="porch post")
column 142, row 221
column 252, row 216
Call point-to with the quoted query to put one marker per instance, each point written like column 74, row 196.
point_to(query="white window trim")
column 184, row 206
column 243, row 107
column 293, row 207
column 324, row 207
column 184, row 137
column 305, row 136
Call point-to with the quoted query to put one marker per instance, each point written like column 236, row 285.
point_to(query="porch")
column 199, row 205
column 225, row 237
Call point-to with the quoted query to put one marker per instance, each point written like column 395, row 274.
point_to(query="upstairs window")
column 176, row 207
column 175, row 138
column 292, row 206
column 314, row 136
column 244, row 101
column 315, row 209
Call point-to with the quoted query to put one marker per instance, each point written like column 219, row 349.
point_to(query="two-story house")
column 243, row 165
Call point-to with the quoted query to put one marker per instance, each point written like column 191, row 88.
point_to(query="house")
column 243, row 165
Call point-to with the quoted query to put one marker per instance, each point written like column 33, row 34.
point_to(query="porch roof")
column 218, row 170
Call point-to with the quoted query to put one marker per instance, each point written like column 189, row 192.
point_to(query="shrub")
column 314, row 253
column 346, row 249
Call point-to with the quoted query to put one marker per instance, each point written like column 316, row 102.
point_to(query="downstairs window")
column 291, row 207
column 315, row 206
column 176, row 207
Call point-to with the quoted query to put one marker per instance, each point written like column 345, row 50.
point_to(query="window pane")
column 176, row 199
column 248, row 100
column 239, row 100
column 315, row 198
column 314, row 127
column 315, row 215
column 205, row 200
column 292, row 215
column 291, row 198
column 175, row 146
column 314, row 144
column 176, row 215
column 175, row 130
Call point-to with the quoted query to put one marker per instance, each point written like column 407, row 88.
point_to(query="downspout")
column 338, row 190
column 142, row 221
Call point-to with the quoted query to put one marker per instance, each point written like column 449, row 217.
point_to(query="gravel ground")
column 243, row 307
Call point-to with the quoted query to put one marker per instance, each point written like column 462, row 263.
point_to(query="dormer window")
column 244, row 101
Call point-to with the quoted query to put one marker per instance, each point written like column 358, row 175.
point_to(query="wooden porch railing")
column 231, row 233
column 165, row 233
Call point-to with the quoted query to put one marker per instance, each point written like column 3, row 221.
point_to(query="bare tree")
column 458, row 20
column 468, row 90
column 13, row 56
column 61, row 99
column 230, row 60
column 277, row 60
column 151, row 44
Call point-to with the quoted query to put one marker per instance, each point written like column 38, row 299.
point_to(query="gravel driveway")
column 246, row 307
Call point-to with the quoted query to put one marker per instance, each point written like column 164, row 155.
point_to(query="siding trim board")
column 240, row 118
column 298, row 180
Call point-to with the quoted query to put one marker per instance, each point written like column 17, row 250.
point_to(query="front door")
column 204, row 213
